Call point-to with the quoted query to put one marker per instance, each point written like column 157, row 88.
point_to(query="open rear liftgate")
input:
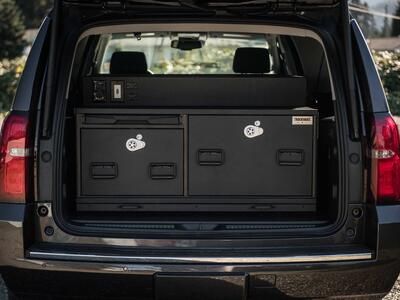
column 201, row 159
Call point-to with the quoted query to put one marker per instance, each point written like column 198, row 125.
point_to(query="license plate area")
column 200, row 287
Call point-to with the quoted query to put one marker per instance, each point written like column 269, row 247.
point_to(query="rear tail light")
column 385, row 160
column 14, row 155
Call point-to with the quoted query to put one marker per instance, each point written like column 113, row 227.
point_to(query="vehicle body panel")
column 331, row 278
column 34, row 260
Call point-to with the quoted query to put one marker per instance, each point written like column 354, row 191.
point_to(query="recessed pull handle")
column 291, row 157
column 103, row 170
column 163, row 171
column 210, row 157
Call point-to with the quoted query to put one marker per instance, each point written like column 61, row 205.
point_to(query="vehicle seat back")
column 251, row 61
column 128, row 63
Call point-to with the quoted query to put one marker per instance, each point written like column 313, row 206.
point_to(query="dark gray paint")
column 12, row 212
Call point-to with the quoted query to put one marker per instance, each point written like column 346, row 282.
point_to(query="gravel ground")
column 394, row 294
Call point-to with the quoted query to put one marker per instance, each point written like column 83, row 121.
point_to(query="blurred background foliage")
column 12, row 30
column 10, row 71
column 388, row 64
column 379, row 20
column 34, row 11
column 17, row 17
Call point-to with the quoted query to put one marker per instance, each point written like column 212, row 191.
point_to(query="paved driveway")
column 395, row 293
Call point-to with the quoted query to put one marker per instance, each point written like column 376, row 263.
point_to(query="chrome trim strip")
column 214, row 260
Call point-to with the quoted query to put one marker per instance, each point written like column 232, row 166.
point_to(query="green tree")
column 396, row 23
column 10, row 71
column 386, row 26
column 12, row 30
column 388, row 64
column 12, row 44
column 365, row 20
column 34, row 11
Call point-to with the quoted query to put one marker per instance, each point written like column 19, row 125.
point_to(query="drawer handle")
column 159, row 171
column 103, row 170
column 211, row 157
column 291, row 157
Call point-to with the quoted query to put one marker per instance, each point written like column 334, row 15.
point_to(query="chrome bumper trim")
column 313, row 258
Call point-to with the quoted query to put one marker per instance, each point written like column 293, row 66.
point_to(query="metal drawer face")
column 134, row 161
column 256, row 155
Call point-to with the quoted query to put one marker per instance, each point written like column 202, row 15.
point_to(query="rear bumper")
column 325, row 273
column 267, row 281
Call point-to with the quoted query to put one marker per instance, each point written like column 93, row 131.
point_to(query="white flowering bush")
column 388, row 64
column 10, row 72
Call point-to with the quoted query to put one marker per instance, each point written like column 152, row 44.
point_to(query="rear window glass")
column 188, row 53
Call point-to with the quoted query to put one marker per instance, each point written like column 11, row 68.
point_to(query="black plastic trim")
column 373, row 94
column 26, row 86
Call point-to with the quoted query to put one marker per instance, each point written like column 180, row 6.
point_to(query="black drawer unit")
column 254, row 155
column 199, row 159
column 128, row 159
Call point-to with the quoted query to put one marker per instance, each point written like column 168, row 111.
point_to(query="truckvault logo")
column 135, row 144
column 302, row 120
column 252, row 131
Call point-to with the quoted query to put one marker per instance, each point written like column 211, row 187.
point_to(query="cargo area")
column 204, row 147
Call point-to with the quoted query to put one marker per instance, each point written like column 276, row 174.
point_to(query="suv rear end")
column 269, row 169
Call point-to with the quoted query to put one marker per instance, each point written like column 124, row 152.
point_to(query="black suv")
column 200, row 150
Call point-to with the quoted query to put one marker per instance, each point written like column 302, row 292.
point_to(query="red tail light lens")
column 14, row 154
column 385, row 160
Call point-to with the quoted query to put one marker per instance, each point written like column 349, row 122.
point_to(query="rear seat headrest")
column 124, row 63
column 251, row 60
